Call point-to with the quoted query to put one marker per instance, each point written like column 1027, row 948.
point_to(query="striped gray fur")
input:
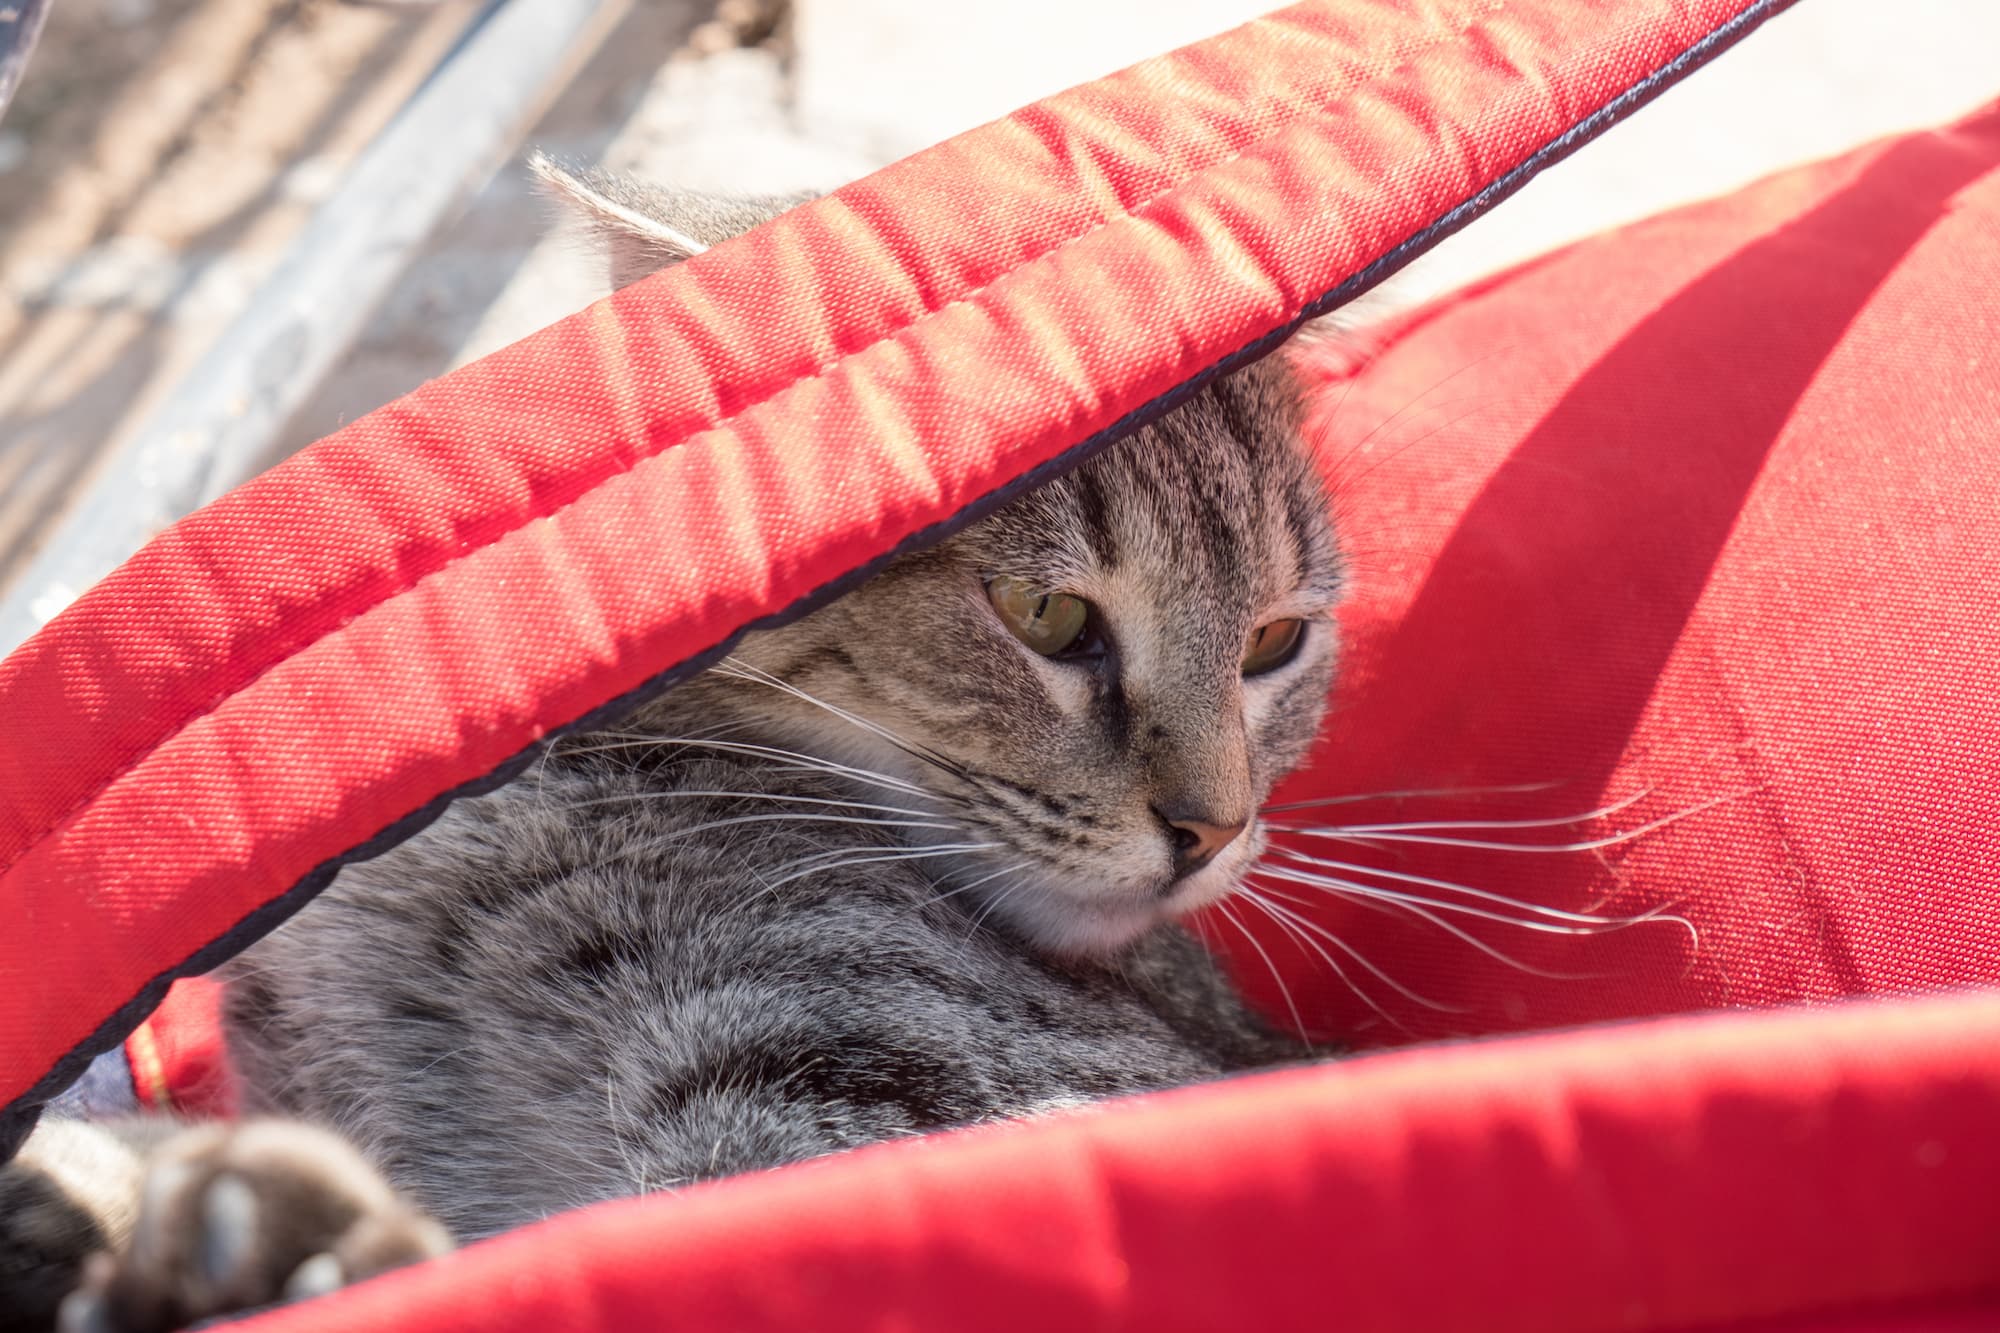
column 885, row 870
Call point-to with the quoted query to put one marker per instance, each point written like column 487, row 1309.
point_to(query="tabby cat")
column 913, row 861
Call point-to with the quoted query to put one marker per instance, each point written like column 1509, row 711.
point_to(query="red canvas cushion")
column 318, row 659
column 1709, row 508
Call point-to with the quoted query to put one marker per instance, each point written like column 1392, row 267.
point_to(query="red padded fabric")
column 1710, row 507
column 178, row 1056
column 409, row 603
column 1710, row 1173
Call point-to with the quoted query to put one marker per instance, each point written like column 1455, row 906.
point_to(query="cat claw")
column 83, row 1310
column 316, row 1277
column 228, row 1230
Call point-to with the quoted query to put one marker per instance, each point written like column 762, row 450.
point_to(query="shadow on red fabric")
column 1643, row 561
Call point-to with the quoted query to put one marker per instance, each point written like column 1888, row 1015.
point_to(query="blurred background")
column 229, row 226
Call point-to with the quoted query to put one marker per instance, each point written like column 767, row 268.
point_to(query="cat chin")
column 1079, row 925
column 1073, row 932
column 1062, row 916
column 1062, row 919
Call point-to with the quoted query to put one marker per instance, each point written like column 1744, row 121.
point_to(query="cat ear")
column 1349, row 323
column 645, row 228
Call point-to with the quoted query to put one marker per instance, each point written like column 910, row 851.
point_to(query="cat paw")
column 234, row 1217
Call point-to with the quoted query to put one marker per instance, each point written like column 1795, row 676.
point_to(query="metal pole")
column 20, row 24
column 213, row 428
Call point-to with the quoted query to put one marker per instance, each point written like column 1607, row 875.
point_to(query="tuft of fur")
column 884, row 871
column 643, row 228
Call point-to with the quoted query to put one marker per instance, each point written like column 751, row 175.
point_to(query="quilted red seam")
column 1470, row 24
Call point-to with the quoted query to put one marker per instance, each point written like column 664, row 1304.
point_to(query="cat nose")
column 1196, row 838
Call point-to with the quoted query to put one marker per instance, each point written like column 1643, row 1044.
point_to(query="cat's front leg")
column 230, row 1217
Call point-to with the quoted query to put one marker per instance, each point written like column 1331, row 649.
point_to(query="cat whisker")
column 679, row 792
column 825, row 866
column 563, row 746
column 817, row 819
column 888, row 848
column 1358, row 445
column 1199, row 925
column 612, row 742
column 1388, row 833
column 1353, row 451
column 737, row 668
column 653, row 846
column 802, row 817
column 1387, row 900
column 635, row 1167
column 1307, row 942
column 790, row 759
column 570, row 744
column 1277, row 977
column 1302, row 923
column 1553, row 919
column 1010, row 867
column 1554, row 821
column 1397, row 448
column 1412, row 793
column 1571, row 923
column 1005, row 892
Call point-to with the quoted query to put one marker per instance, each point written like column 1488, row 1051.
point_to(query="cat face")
column 1090, row 692
column 1101, row 765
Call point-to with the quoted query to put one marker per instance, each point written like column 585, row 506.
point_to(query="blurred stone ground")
column 160, row 152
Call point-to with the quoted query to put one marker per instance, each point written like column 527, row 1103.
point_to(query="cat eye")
column 1271, row 646
column 1048, row 622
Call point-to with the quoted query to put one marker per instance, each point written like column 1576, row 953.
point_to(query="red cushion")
column 1835, row 1169
column 179, row 1057
column 1708, row 508
column 320, row 657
